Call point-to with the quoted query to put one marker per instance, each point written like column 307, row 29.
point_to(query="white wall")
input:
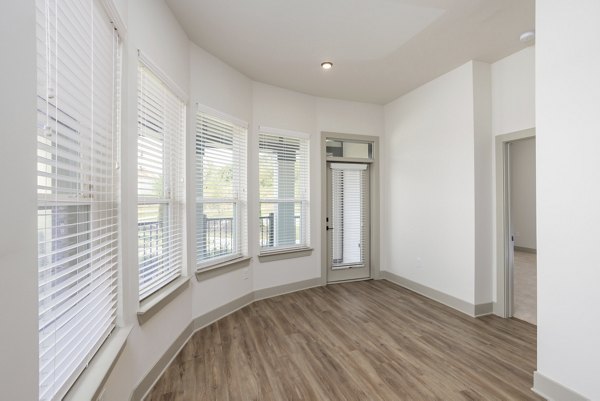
column 473, row 107
column 215, row 84
column 513, row 92
column 349, row 117
column 522, row 192
column 568, row 193
column 18, row 206
column 430, row 185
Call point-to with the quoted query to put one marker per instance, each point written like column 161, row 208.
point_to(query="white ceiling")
column 381, row 49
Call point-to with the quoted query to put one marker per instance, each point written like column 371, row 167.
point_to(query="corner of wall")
column 483, row 168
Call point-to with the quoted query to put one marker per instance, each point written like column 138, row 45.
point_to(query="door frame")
column 374, row 239
column 504, row 282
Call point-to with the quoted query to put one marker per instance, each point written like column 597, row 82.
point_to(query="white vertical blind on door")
column 78, row 66
column 220, row 188
column 161, row 187
column 349, row 209
column 284, row 190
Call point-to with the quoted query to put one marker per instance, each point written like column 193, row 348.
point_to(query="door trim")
column 503, row 282
column 373, row 200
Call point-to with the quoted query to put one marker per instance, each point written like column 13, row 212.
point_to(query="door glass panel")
column 349, row 212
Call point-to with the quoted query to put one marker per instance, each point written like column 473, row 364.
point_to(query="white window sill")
column 150, row 306
column 89, row 384
column 287, row 253
column 229, row 263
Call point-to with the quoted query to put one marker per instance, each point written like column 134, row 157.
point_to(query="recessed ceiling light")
column 527, row 36
column 326, row 65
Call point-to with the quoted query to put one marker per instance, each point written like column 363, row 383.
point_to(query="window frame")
column 171, row 178
column 96, row 206
column 239, row 202
column 303, row 248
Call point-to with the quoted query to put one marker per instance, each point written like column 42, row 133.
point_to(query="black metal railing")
column 150, row 244
column 218, row 237
column 267, row 230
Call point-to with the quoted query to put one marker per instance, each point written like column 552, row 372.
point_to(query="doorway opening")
column 350, row 208
column 516, row 226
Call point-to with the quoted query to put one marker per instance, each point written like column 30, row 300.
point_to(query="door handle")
column 329, row 228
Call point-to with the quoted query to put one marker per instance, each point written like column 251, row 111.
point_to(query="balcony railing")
column 267, row 230
column 219, row 237
column 219, row 240
column 149, row 245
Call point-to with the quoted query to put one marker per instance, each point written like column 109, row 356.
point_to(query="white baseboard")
column 554, row 391
column 152, row 376
column 287, row 288
column 441, row 297
column 483, row 309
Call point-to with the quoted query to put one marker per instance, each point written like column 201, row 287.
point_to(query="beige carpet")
column 525, row 287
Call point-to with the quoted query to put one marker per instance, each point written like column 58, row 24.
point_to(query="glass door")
column 348, row 221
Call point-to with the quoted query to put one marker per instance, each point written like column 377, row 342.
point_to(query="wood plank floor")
column 525, row 285
column 369, row 340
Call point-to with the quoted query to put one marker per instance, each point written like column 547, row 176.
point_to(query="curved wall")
column 207, row 80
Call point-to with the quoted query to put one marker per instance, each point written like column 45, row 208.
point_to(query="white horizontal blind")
column 161, row 188
column 220, row 188
column 78, row 63
column 284, row 191
column 349, row 214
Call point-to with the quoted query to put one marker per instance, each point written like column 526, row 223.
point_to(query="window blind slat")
column 75, row 251
column 161, row 191
column 87, row 298
column 70, row 279
column 78, row 87
column 220, row 176
column 284, row 191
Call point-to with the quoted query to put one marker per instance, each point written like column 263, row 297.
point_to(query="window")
column 284, row 195
column 161, row 187
column 220, row 188
column 349, row 149
column 78, row 91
